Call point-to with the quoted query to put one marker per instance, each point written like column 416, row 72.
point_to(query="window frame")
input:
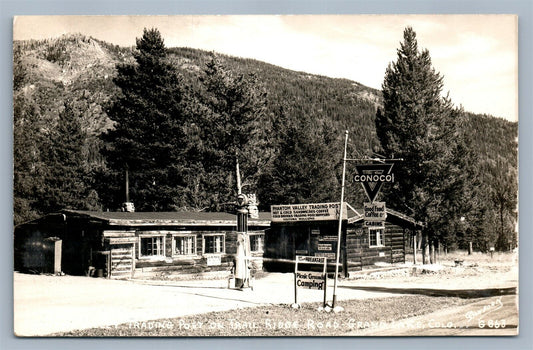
column 146, row 235
column 223, row 245
column 379, row 233
column 184, row 234
column 261, row 236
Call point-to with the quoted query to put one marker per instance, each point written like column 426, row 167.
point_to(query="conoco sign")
column 372, row 177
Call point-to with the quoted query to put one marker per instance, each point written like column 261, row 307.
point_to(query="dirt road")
column 493, row 316
column 49, row 304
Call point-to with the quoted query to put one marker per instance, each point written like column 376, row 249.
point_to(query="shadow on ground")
column 458, row 293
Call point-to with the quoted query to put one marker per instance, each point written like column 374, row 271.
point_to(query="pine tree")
column 504, row 199
column 66, row 183
column 20, row 72
column 148, row 136
column 304, row 170
column 28, row 167
column 229, row 121
column 420, row 126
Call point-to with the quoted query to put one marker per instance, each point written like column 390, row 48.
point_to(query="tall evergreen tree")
column 504, row 197
column 148, row 136
column 28, row 167
column 66, row 182
column 304, row 170
column 230, row 116
column 420, row 126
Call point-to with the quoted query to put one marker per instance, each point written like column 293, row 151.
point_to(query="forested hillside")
column 294, row 153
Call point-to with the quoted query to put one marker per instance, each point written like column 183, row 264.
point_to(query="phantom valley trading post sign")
column 306, row 212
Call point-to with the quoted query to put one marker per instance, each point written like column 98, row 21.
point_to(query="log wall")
column 359, row 253
column 193, row 264
column 122, row 261
column 285, row 241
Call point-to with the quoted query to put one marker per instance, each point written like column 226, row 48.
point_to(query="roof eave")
column 393, row 213
column 211, row 223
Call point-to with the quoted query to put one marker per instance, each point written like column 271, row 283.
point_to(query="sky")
column 476, row 54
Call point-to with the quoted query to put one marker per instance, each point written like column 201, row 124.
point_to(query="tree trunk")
column 424, row 243
column 414, row 248
column 501, row 223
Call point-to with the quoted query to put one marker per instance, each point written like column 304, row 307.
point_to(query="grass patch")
column 280, row 320
column 498, row 258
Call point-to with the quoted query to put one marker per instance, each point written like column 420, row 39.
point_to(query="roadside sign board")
column 309, row 259
column 372, row 177
column 325, row 246
column 122, row 240
column 375, row 224
column 328, row 238
column 329, row 255
column 375, row 211
column 214, row 260
column 310, row 279
column 307, row 212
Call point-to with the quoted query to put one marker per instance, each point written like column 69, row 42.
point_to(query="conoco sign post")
column 372, row 177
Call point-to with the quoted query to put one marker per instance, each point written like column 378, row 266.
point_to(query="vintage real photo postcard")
column 265, row 175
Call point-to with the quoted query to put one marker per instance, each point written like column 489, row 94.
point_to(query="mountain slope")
column 80, row 69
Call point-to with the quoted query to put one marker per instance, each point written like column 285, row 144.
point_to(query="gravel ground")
column 478, row 271
column 282, row 320
column 49, row 304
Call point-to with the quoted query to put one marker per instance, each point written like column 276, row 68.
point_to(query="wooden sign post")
column 310, row 279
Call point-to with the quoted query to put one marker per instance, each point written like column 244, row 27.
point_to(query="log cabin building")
column 312, row 230
column 145, row 244
column 136, row 244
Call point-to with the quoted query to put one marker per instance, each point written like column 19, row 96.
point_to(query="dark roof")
column 194, row 218
column 170, row 218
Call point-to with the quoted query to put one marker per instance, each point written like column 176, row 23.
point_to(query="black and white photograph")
column 265, row 175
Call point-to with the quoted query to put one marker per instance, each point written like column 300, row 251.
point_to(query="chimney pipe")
column 127, row 206
column 127, row 186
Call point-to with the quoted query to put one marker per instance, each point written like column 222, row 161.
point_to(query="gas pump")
column 242, row 256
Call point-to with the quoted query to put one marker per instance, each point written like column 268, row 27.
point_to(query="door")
column 302, row 241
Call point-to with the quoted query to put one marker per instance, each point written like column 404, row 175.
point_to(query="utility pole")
column 370, row 193
column 339, row 234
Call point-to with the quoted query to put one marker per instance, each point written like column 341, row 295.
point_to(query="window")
column 376, row 237
column 152, row 246
column 256, row 243
column 184, row 244
column 213, row 244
